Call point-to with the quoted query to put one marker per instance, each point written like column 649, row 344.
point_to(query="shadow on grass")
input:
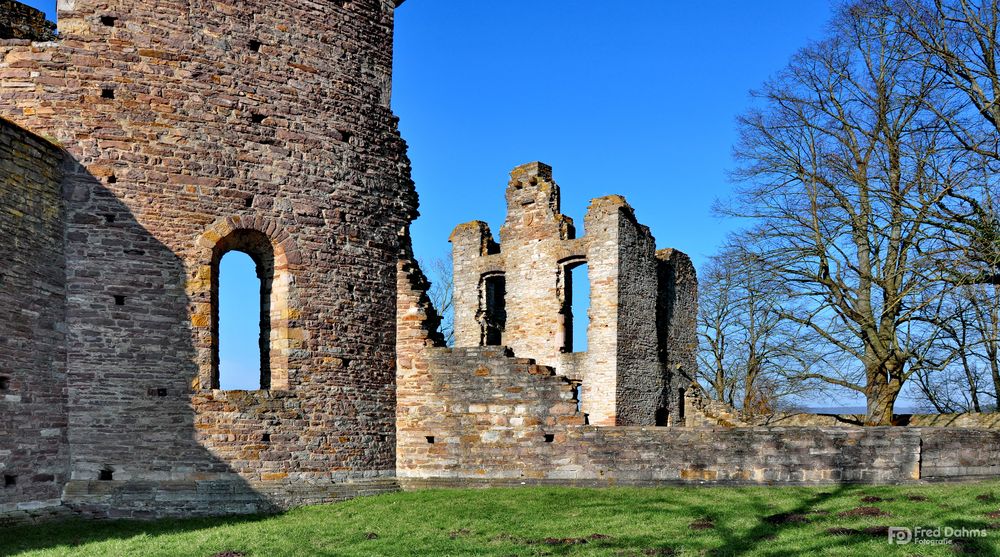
column 74, row 533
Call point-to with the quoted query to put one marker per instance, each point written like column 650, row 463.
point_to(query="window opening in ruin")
column 575, row 312
column 119, row 300
column 106, row 475
column 661, row 416
column 9, row 480
column 242, row 325
column 108, row 21
column 578, row 395
column 680, row 403
column 430, row 439
column 254, row 45
column 4, row 383
column 107, row 93
column 549, row 437
column 266, row 438
column 493, row 309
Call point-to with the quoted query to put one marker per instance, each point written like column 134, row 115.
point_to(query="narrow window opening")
column 574, row 316
column 661, row 416
column 108, row 21
column 680, row 403
column 106, row 475
column 242, row 324
column 4, row 383
column 430, row 439
column 254, row 45
column 248, row 202
column 494, row 309
column 9, row 480
column 549, row 437
column 107, row 93
column 578, row 395
column 119, row 300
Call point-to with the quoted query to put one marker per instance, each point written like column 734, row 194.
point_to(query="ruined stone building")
column 518, row 293
column 148, row 139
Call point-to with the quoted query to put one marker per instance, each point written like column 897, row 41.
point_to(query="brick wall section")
column 623, row 373
column 18, row 21
column 501, row 420
column 190, row 119
column 34, row 457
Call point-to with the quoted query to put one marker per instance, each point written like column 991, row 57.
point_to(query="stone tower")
column 517, row 293
column 143, row 144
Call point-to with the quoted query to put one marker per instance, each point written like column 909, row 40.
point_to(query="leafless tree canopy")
column 864, row 175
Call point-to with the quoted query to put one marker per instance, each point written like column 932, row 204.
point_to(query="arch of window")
column 274, row 255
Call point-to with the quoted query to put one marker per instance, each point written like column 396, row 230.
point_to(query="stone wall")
column 974, row 420
column 623, row 375
column 195, row 124
column 34, row 457
column 18, row 21
column 477, row 416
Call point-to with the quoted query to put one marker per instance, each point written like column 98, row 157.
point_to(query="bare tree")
column 747, row 348
column 441, row 293
column 843, row 171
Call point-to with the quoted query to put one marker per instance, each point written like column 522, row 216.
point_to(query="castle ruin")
column 147, row 140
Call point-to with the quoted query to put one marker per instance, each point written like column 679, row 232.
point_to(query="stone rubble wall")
column 476, row 416
column 189, row 121
column 21, row 22
column 973, row 420
column 34, row 454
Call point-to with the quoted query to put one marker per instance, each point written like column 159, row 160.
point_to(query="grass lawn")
column 838, row 520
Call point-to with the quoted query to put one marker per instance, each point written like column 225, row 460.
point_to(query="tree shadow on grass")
column 74, row 533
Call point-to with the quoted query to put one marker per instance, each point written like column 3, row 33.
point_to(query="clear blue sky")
column 637, row 98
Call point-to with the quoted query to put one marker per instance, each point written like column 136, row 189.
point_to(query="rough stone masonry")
column 150, row 139
column 163, row 135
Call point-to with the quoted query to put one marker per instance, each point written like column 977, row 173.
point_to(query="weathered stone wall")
column 623, row 373
column 192, row 122
column 677, row 328
column 34, row 457
column 476, row 415
column 18, row 21
column 973, row 420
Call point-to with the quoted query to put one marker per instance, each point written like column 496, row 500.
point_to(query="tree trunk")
column 881, row 395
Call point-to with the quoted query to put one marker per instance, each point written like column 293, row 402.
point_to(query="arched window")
column 243, row 277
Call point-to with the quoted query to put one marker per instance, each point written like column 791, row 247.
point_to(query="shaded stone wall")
column 623, row 375
column 34, row 456
column 193, row 121
column 18, row 21
column 677, row 327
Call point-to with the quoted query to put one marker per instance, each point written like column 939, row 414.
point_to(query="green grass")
column 551, row 521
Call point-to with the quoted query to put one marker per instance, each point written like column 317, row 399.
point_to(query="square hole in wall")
column 254, row 45
column 106, row 475
column 266, row 437
column 107, row 93
column 257, row 118
column 9, row 480
column 119, row 300
column 4, row 383
column 108, row 21
column 112, row 179
column 549, row 437
column 430, row 439
column 248, row 202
